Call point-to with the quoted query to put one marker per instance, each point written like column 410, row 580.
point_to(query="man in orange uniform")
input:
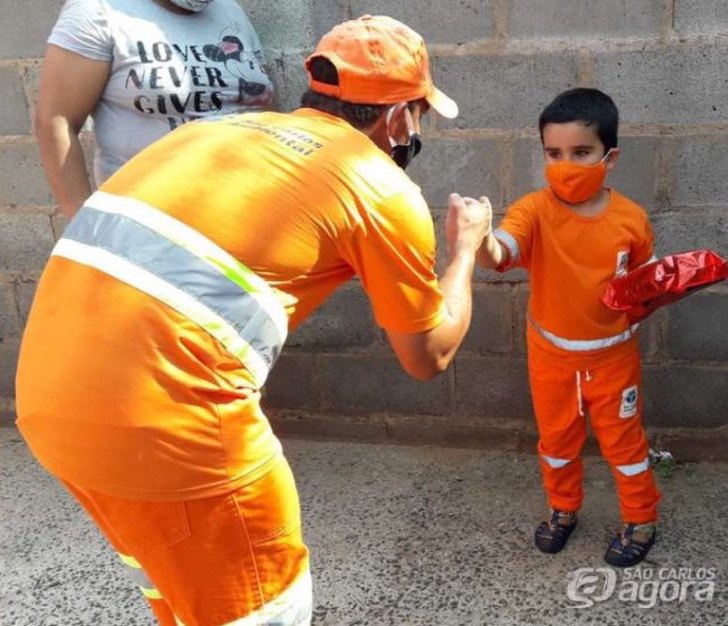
column 573, row 237
column 169, row 296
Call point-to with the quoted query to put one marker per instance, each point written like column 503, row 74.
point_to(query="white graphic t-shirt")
column 166, row 68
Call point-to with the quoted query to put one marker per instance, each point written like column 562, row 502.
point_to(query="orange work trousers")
column 609, row 391
column 235, row 559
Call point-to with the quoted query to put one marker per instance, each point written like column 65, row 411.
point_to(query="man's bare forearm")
column 456, row 285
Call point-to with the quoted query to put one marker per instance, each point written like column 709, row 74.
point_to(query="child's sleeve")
column 643, row 248
column 515, row 233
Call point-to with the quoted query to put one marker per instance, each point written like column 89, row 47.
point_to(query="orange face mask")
column 575, row 183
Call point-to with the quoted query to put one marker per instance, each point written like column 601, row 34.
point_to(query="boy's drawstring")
column 579, row 395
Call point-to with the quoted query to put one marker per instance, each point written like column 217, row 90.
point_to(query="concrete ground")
column 400, row 536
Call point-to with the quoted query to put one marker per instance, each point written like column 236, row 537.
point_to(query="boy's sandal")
column 551, row 536
column 631, row 545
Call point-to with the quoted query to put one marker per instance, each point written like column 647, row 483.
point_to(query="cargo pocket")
column 143, row 527
column 270, row 510
column 270, row 505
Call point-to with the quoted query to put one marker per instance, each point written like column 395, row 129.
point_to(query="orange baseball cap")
column 379, row 61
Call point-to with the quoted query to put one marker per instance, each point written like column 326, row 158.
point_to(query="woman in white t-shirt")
column 139, row 68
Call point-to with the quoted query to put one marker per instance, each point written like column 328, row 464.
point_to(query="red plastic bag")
column 644, row 290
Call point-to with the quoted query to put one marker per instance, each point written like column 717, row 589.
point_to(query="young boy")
column 573, row 237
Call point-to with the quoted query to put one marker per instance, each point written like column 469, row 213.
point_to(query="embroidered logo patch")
column 622, row 261
column 628, row 408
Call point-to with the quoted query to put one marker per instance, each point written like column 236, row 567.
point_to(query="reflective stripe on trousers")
column 140, row 578
column 554, row 462
column 149, row 250
column 635, row 468
column 293, row 607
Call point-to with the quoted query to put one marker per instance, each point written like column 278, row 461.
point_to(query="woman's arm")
column 70, row 87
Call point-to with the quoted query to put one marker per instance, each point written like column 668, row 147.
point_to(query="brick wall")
column 665, row 62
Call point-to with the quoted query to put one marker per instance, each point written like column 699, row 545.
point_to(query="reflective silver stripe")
column 554, row 462
column 581, row 345
column 183, row 269
column 509, row 242
column 292, row 608
column 199, row 245
column 164, row 292
column 140, row 578
column 634, row 468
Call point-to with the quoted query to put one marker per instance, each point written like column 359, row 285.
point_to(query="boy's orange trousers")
column 236, row 559
column 609, row 391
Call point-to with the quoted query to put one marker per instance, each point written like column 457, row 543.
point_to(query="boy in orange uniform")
column 573, row 237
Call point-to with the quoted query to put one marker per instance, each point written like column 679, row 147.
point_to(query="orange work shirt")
column 121, row 393
column 570, row 259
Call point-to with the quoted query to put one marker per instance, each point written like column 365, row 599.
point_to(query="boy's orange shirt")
column 120, row 393
column 571, row 259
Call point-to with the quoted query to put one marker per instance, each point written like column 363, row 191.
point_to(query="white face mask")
column 192, row 5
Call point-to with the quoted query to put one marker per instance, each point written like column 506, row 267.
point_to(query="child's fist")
column 468, row 222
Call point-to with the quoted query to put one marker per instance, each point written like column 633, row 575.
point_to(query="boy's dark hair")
column 360, row 116
column 587, row 105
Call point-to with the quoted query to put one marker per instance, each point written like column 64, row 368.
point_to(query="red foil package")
column 644, row 290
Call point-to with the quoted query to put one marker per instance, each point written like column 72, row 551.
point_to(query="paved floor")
column 400, row 536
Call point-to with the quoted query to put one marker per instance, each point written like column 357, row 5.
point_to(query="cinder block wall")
column 665, row 62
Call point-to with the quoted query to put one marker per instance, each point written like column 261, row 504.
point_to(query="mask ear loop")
column 387, row 122
column 409, row 122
